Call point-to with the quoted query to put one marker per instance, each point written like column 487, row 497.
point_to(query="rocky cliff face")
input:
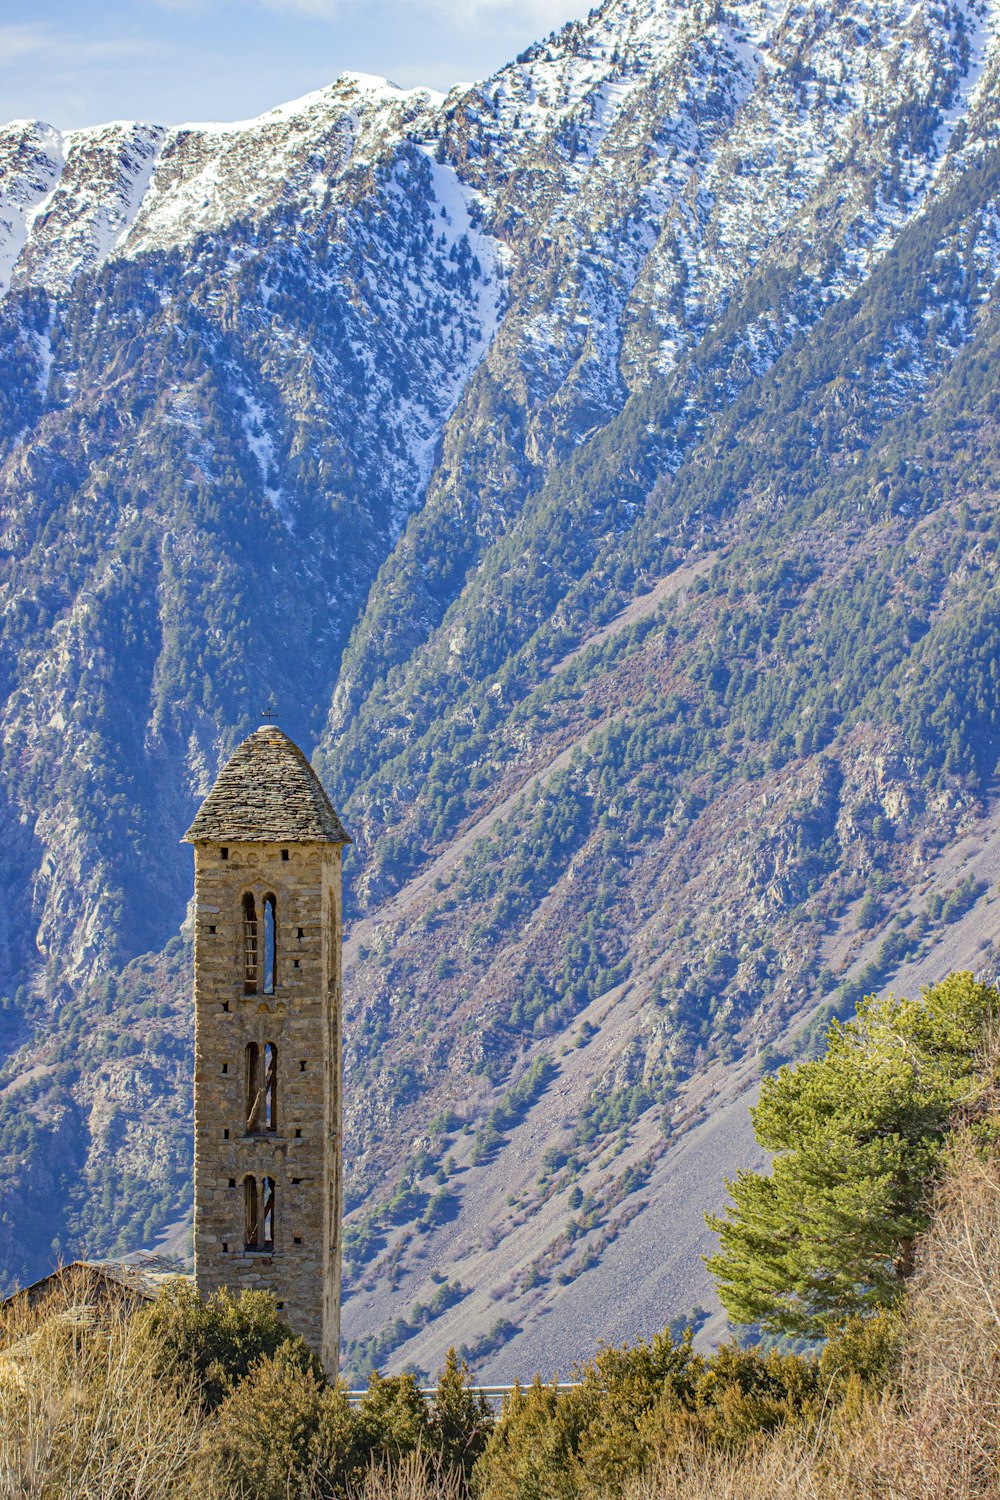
column 597, row 466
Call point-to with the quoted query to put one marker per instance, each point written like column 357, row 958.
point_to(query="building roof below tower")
column 93, row 1281
column 267, row 792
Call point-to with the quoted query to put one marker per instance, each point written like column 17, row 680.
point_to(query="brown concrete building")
column 267, row 992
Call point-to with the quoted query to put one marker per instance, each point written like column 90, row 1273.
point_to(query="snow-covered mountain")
column 595, row 463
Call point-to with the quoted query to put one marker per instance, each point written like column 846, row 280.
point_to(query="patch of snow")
column 95, row 182
column 261, row 445
column 43, row 342
column 452, row 214
column 375, row 89
column 982, row 18
column 31, row 162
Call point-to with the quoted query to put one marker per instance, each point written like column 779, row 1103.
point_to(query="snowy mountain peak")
column 786, row 87
column 371, row 88
column 384, row 88
column 71, row 200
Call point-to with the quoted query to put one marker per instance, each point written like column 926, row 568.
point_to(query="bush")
column 393, row 1416
column 223, row 1338
column 460, row 1420
column 89, row 1407
column 637, row 1409
column 265, row 1442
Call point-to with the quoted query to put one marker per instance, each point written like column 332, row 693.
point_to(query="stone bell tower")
column 267, row 999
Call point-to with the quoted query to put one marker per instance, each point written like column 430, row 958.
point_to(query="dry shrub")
column 781, row 1469
column 414, row 1476
column 941, row 1435
column 937, row 1435
column 85, row 1407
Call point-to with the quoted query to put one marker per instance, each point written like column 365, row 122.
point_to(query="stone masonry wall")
column 302, row 1020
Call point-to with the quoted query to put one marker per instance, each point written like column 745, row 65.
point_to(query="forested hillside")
column 598, row 465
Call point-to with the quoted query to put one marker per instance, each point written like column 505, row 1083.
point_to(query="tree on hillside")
column 858, row 1136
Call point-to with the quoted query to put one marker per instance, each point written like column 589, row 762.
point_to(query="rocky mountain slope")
column 598, row 466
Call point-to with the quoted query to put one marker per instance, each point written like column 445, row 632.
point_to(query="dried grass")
column 415, row 1476
column 85, row 1410
column 783, row 1469
column 941, row 1436
column 938, row 1436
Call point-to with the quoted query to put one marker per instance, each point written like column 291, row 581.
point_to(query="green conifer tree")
column 857, row 1137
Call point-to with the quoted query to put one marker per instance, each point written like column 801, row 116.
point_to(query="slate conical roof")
column 267, row 792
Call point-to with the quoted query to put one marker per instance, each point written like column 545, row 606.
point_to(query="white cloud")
column 526, row 15
column 540, row 15
column 42, row 41
column 21, row 41
column 68, row 79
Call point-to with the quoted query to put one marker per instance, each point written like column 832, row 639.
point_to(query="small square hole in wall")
column 295, row 963
column 212, row 928
column 302, row 932
column 225, row 1005
column 284, row 853
column 232, row 1182
column 298, row 1135
column 225, row 1067
column 225, row 1135
column 297, row 1239
column 225, row 1248
column 296, row 1181
column 223, row 853
column 302, row 1067
column 280, row 1306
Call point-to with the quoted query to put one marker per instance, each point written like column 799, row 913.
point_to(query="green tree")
column 868, row 912
column 266, row 1442
column 392, row 1419
column 858, row 1135
column 637, row 1407
column 221, row 1339
column 460, row 1421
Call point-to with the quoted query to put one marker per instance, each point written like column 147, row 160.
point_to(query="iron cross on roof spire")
column 269, row 711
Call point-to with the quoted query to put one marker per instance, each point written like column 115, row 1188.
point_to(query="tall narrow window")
column 270, row 945
column 270, row 1120
column 251, row 1222
column 253, row 1087
column 267, row 1217
column 249, row 945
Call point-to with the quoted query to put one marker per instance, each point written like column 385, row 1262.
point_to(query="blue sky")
column 175, row 60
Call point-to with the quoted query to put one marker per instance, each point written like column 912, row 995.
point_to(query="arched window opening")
column 251, row 1222
column 270, row 945
column 267, row 1217
column 249, row 945
column 270, row 1121
column 253, row 1087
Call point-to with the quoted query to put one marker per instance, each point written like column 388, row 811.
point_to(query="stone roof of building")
column 267, row 792
column 141, row 1279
